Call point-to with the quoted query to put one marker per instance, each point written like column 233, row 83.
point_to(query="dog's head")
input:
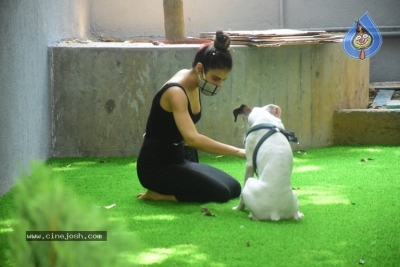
column 257, row 114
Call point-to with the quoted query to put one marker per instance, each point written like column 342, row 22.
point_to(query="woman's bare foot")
column 151, row 195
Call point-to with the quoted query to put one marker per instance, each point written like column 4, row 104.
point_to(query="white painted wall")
column 134, row 18
column 27, row 29
column 137, row 18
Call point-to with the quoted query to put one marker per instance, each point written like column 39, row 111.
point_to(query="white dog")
column 270, row 197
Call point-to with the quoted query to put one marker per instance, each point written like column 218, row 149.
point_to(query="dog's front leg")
column 249, row 172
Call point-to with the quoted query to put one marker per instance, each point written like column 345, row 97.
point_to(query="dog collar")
column 272, row 129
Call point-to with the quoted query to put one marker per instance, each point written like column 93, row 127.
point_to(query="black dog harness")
column 272, row 129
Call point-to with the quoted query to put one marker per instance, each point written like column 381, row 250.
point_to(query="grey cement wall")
column 103, row 92
column 27, row 29
column 137, row 18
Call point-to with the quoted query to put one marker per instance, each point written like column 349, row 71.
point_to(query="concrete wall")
column 366, row 127
column 27, row 29
column 137, row 18
column 103, row 92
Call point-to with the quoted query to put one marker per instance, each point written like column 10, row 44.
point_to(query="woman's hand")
column 242, row 153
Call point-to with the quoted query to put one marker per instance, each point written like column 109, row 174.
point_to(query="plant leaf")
column 110, row 206
column 366, row 159
column 206, row 212
column 107, row 207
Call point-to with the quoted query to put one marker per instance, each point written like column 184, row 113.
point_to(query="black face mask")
column 207, row 88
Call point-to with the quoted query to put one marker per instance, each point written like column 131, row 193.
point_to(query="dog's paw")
column 298, row 215
column 254, row 218
column 239, row 207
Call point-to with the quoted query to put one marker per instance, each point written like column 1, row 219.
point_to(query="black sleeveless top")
column 161, row 123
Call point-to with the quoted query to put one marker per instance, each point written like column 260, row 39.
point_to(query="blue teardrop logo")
column 363, row 40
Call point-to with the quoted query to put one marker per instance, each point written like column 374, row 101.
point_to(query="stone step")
column 366, row 127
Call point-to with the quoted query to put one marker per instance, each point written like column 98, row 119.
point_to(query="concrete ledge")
column 366, row 127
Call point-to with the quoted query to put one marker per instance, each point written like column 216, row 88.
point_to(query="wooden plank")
column 281, row 32
column 256, row 44
column 284, row 39
column 280, row 37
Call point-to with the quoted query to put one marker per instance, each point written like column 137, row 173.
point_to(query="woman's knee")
column 224, row 195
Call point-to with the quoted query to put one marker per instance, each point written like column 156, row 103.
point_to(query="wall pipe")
column 281, row 15
column 174, row 22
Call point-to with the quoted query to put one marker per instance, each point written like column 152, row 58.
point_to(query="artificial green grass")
column 350, row 205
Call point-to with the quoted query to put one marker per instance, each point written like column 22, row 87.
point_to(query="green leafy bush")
column 44, row 203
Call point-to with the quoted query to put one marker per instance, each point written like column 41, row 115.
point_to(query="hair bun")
column 221, row 41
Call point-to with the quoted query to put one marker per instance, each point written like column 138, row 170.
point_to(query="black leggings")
column 162, row 168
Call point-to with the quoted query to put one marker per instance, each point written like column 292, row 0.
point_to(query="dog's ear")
column 274, row 110
column 242, row 110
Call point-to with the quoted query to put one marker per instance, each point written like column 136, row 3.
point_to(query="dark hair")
column 216, row 55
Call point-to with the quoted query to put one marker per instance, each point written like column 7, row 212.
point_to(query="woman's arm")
column 177, row 102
